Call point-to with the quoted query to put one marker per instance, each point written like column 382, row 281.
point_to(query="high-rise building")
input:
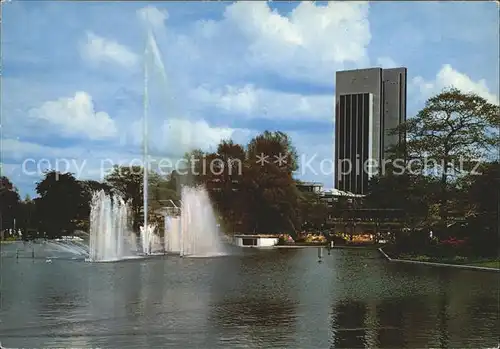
column 369, row 104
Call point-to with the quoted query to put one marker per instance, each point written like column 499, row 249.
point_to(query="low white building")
column 259, row 241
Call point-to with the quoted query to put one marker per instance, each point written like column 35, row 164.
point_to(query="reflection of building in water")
column 255, row 304
column 390, row 316
column 348, row 325
column 256, row 320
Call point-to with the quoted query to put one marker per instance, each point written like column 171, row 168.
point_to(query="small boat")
column 46, row 261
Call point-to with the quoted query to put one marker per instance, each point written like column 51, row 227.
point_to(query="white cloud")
column 75, row 116
column 449, row 77
column 27, row 161
column 97, row 49
column 9, row 170
column 309, row 43
column 174, row 137
column 153, row 16
column 18, row 150
column 386, row 62
column 251, row 102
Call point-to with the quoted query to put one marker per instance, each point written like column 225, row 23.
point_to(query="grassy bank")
column 455, row 260
column 476, row 262
column 360, row 246
column 487, row 264
column 324, row 244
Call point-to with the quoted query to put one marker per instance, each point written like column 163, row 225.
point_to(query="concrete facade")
column 259, row 241
column 369, row 103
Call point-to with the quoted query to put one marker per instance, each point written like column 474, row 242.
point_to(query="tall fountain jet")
column 145, row 230
column 110, row 237
column 151, row 51
column 195, row 233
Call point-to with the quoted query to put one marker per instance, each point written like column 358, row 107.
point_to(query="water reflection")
column 390, row 318
column 263, row 299
column 442, row 310
column 348, row 323
column 253, row 300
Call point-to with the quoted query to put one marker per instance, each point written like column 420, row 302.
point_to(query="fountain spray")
column 145, row 136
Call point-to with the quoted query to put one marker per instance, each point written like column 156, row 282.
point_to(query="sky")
column 73, row 75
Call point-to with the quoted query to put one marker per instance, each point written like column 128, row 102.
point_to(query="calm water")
column 256, row 299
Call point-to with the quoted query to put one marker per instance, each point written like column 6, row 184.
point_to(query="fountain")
column 150, row 242
column 172, row 238
column 72, row 247
column 110, row 239
column 194, row 233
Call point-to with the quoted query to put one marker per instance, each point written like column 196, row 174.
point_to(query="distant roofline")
column 310, row 184
column 337, row 192
column 365, row 69
column 257, row 236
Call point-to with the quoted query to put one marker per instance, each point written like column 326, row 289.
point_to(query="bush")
column 339, row 240
column 416, row 242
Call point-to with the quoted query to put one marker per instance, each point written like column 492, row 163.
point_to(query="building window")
column 249, row 242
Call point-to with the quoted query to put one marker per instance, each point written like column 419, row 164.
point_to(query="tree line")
column 252, row 197
column 262, row 196
column 458, row 192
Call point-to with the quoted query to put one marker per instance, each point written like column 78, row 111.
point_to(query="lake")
column 279, row 298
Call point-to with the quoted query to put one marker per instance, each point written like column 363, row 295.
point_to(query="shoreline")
column 338, row 247
column 437, row 264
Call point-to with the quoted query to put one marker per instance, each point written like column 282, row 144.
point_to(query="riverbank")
column 348, row 246
column 302, row 245
column 472, row 265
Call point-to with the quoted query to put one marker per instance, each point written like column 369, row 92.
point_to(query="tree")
column 9, row 203
column 128, row 182
column 224, row 179
column 60, row 204
column 251, row 195
column 271, row 199
column 452, row 131
column 313, row 212
column 483, row 197
column 484, row 192
column 161, row 192
column 193, row 169
column 274, row 147
column 414, row 194
column 268, row 188
column 88, row 188
column 27, row 219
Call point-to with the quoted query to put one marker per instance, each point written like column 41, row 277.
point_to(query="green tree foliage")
column 271, row 198
column 250, row 195
column 313, row 212
column 9, row 203
column 411, row 193
column 275, row 145
column 453, row 130
column 61, row 203
column 27, row 219
column 484, row 197
column 128, row 182
column 484, row 191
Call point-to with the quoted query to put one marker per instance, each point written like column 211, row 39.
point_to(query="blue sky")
column 73, row 74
